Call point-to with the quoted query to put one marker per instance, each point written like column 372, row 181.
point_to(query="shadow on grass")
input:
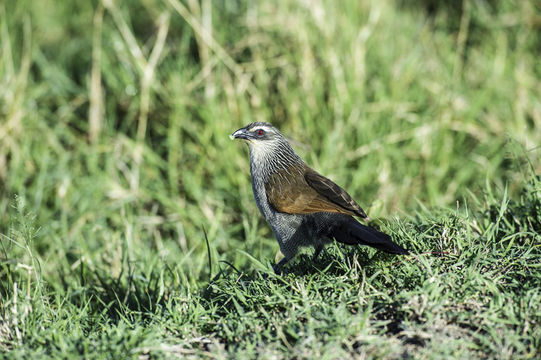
column 329, row 265
column 276, row 301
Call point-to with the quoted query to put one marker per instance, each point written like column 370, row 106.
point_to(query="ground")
column 127, row 224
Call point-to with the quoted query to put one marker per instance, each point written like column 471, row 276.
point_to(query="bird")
column 302, row 207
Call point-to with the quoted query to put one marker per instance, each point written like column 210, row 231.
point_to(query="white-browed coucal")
column 303, row 207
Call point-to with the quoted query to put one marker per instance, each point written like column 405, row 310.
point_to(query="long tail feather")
column 351, row 232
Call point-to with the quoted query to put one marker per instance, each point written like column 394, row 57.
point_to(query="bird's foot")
column 317, row 252
column 278, row 268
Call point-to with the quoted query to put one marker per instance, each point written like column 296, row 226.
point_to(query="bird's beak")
column 240, row 134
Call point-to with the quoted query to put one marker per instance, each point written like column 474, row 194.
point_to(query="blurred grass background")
column 115, row 116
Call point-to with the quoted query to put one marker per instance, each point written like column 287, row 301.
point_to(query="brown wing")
column 333, row 193
column 301, row 190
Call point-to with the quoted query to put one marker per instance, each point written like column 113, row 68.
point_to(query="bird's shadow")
column 336, row 261
column 234, row 288
column 333, row 262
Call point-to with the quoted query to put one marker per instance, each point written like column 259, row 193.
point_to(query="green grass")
column 127, row 223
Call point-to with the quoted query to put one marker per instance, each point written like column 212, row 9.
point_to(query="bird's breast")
column 283, row 225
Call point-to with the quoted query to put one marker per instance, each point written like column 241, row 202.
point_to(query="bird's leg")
column 317, row 251
column 278, row 267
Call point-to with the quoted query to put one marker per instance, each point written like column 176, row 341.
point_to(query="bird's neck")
column 268, row 159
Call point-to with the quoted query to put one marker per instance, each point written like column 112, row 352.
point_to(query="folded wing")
column 301, row 190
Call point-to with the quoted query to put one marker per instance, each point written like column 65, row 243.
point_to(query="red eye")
column 260, row 132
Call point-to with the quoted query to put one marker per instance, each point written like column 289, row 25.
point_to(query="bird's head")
column 269, row 149
column 258, row 134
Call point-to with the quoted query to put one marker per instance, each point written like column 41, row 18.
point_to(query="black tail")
column 351, row 232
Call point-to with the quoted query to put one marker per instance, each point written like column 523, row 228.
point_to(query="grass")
column 127, row 223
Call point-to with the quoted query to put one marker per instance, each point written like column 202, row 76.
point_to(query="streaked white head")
column 269, row 149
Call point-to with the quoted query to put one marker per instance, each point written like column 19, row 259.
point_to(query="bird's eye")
column 260, row 132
